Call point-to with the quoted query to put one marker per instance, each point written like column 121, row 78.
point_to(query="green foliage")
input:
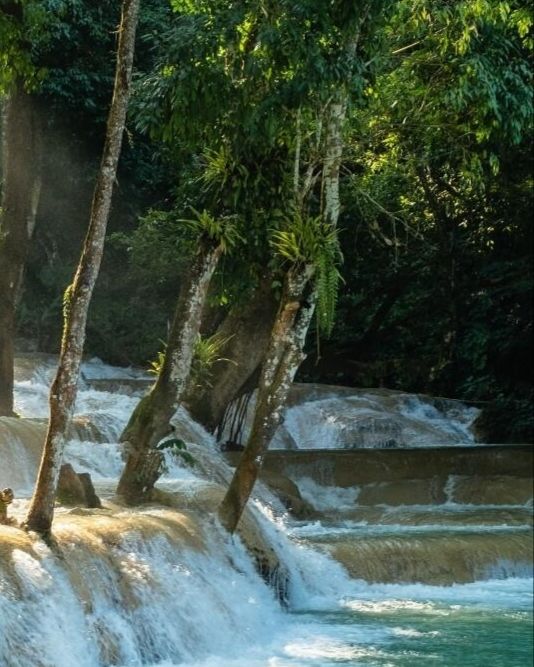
column 21, row 25
column 228, row 83
column 436, row 195
column 158, row 247
column 222, row 231
column 310, row 241
column 436, row 184
column 155, row 365
column 178, row 448
column 207, row 353
column 76, row 48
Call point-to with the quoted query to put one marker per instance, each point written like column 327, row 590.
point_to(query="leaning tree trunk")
column 283, row 358
column 21, row 158
column 288, row 336
column 150, row 421
column 247, row 329
column 78, row 295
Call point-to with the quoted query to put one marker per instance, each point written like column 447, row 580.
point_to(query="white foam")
column 209, row 607
column 324, row 498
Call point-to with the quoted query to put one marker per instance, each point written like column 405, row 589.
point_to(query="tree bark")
column 288, row 336
column 150, row 421
column 332, row 160
column 285, row 352
column 247, row 328
column 283, row 358
column 22, row 153
column 78, row 295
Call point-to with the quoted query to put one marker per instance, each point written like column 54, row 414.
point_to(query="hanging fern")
column 327, row 281
column 307, row 240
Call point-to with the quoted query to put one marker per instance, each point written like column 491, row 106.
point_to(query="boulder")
column 76, row 489
column 288, row 493
column 90, row 494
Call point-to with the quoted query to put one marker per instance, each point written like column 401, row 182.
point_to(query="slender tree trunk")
column 285, row 352
column 22, row 152
column 150, row 421
column 247, row 328
column 332, row 160
column 78, row 295
column 283, row 358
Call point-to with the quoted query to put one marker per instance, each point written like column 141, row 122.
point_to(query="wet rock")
column 70, row 489
column 230, row 446
column 76, row 489
column 289, row 494
column 404, row 492
column 492, row 490
column 90, row 494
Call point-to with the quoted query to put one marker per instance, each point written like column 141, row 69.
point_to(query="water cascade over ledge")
column 353, row 581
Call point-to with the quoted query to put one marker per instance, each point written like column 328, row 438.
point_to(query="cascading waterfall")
column 326, row 417
column 164, row 586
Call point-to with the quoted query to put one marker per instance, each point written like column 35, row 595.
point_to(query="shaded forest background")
column 436, row 190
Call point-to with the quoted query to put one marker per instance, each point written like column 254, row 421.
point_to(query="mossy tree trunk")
column 21, row 168
column 284, row 355
column 247, row 329
column 150, row 421
column 78, row 295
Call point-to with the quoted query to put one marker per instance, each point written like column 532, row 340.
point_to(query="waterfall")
column 329, row 417
column 163, row 585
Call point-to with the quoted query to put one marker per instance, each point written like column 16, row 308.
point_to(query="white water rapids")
column 165, row 587
column 326, row 417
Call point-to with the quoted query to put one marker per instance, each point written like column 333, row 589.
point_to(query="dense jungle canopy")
column 434, row 290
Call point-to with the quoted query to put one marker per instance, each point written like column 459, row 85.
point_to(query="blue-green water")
column 482, row 624
column 147, row 597
column 428, row 629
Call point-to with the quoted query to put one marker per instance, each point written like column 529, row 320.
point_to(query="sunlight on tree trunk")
column 283, row 358
column 150, row 421
column 78, row 295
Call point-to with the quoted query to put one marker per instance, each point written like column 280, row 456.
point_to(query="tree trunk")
column 22, row 152
column 288, row 336
column 332, row 160
column 150, row 421
column 283, row 358
column 248, row 328
column 78, row 295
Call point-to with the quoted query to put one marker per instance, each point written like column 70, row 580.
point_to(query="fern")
column 312, row 241
column 327, row 284
column 218, row 165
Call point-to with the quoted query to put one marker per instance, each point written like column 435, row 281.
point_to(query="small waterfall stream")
column 163, row 586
